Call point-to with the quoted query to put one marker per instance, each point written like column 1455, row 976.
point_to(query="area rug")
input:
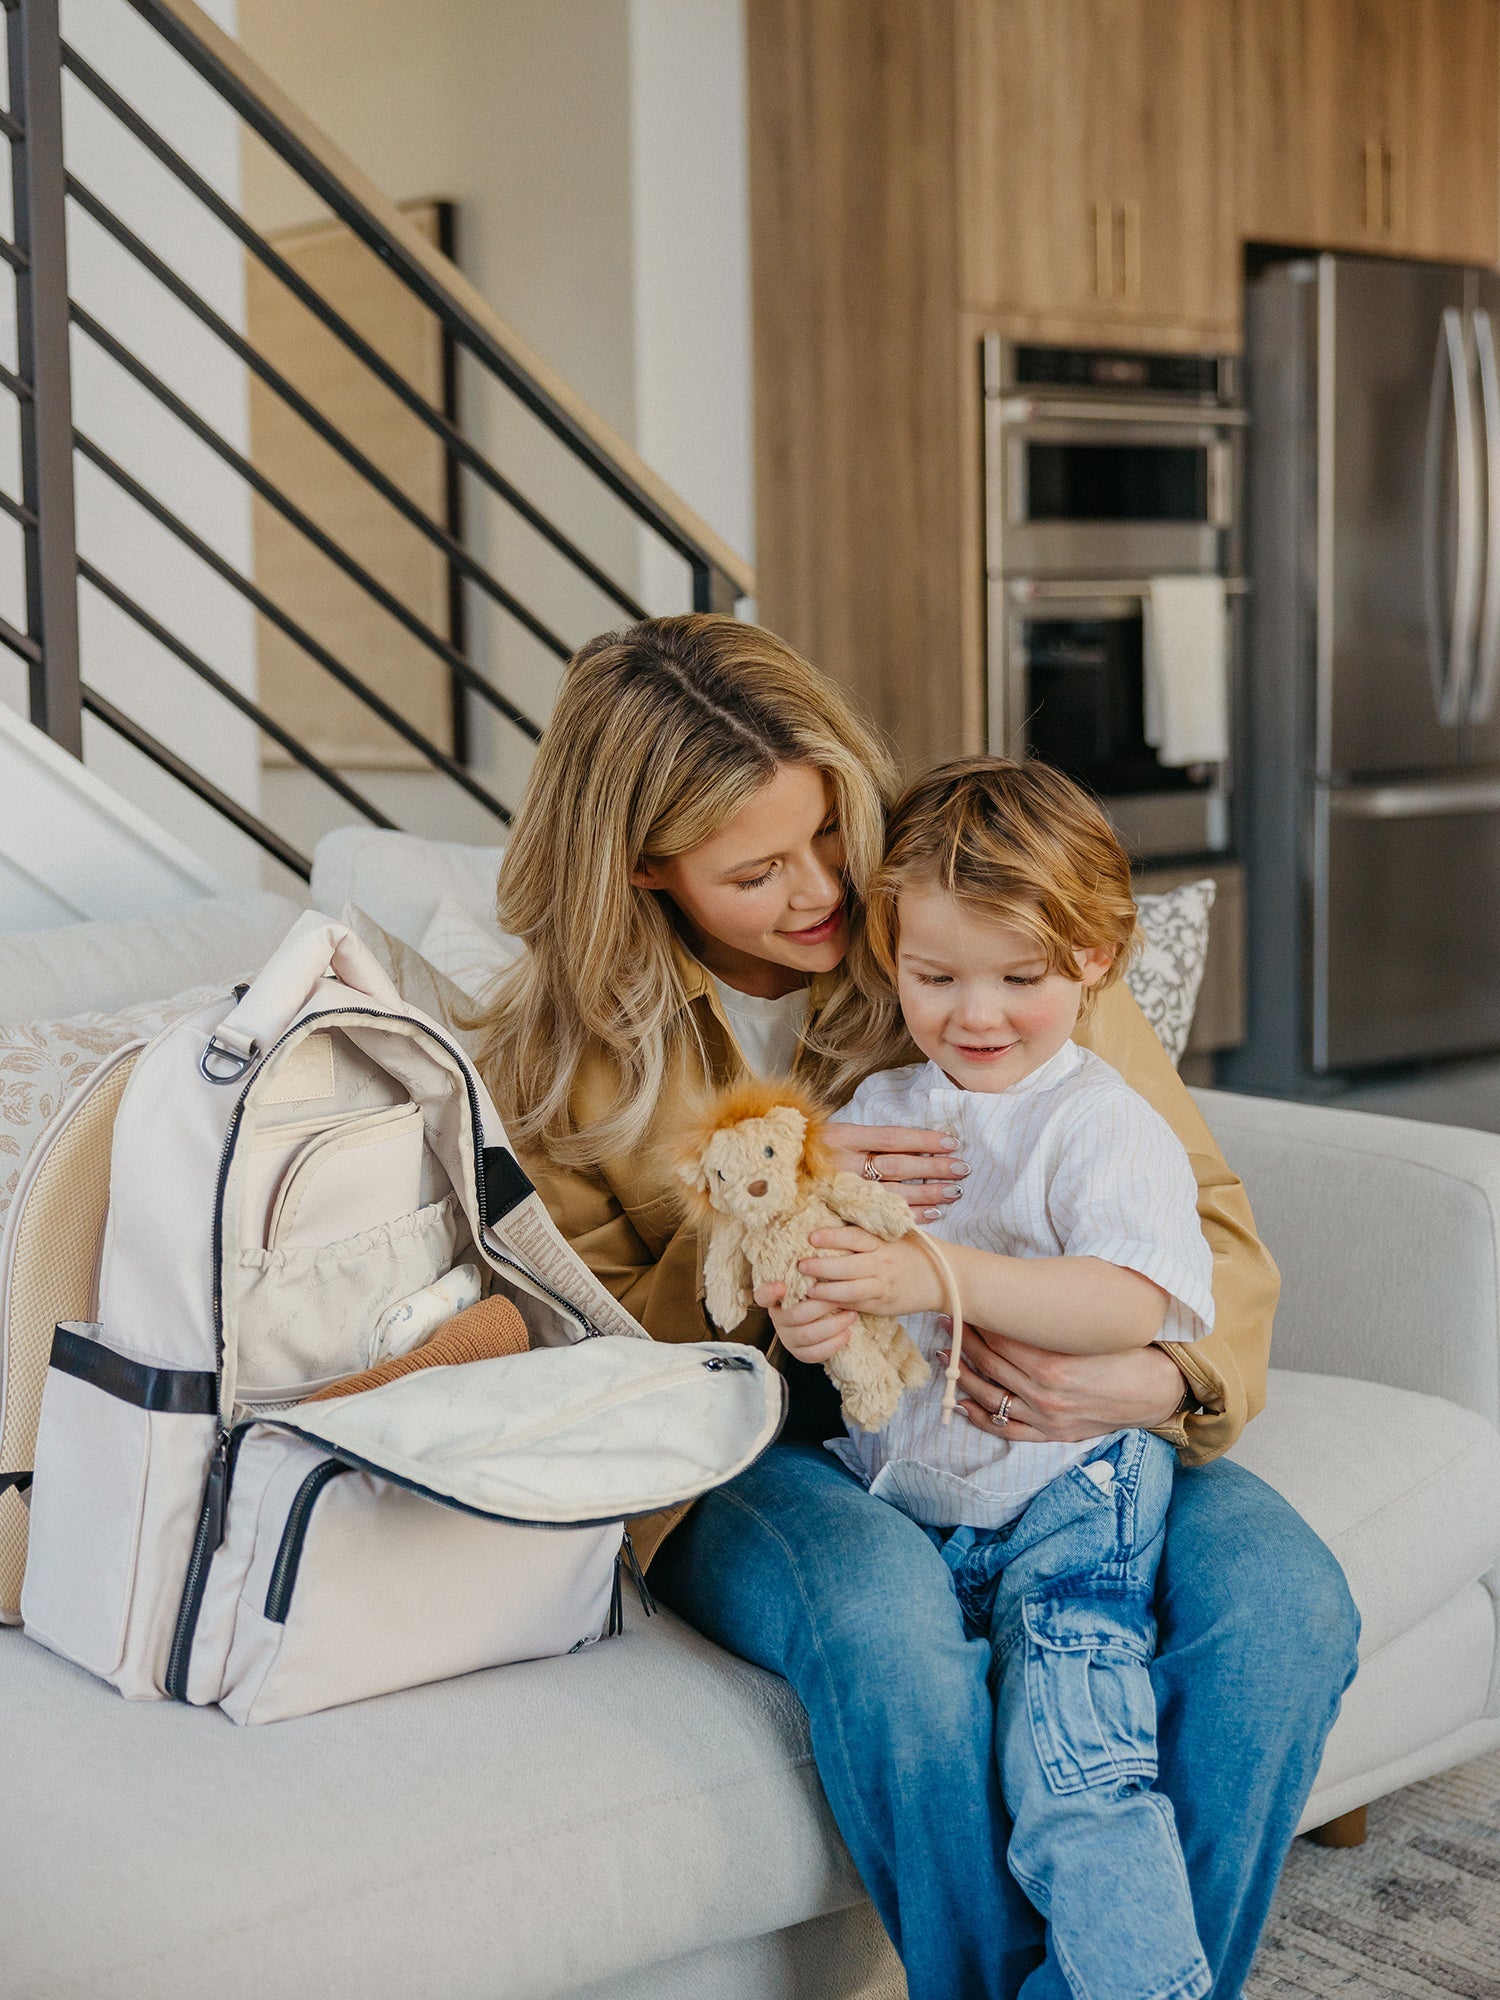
column 1415, row 1912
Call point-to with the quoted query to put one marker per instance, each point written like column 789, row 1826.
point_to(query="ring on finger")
column 871, row 1171
column 1002, row 1415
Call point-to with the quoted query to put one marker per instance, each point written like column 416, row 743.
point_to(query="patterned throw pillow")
column 1167, row 971
column 43, row 1062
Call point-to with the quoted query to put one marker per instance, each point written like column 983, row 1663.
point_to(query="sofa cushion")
column 99, row 968
column 470, row 953
column 1405, row 1489
column 518, row 1833
column 399, row 879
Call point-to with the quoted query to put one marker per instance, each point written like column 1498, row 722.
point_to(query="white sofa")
column 644, row 1822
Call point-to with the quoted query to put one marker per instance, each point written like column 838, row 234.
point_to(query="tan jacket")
column 624, row 1218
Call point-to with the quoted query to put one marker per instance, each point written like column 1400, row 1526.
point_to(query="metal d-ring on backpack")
column 284, row 1170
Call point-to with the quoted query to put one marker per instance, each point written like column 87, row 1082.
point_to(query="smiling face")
column 977, row 997
column 763, row 898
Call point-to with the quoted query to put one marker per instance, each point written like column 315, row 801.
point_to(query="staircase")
column 135, row 601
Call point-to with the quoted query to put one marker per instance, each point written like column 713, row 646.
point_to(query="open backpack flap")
column 296, row 1177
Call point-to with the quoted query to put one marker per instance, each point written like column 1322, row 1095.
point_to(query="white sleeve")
column 1123, row 1190
column 855, row 1111
column 874, row 1103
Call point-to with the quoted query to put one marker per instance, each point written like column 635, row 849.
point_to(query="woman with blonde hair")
column 687, row 872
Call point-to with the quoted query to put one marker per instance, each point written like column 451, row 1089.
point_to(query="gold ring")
column 871, row 1171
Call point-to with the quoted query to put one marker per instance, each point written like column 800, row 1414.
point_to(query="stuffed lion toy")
column 761, row 1178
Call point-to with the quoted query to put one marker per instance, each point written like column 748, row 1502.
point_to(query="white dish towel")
column 1187, row 670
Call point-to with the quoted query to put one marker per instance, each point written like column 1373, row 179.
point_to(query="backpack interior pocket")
column 306, row 1312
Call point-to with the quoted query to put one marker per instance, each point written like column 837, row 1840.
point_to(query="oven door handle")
column 1198, row 416
column 1065, row 590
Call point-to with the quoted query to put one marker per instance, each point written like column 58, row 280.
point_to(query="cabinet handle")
column 1104, row 261
column 1374, row 187
column 1130, row 250
column 1394, row 189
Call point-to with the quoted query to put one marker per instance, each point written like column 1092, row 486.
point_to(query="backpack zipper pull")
column 632, row 1563
column 215, row 1494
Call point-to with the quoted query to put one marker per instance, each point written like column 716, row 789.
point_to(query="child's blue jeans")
column 1064, row 1596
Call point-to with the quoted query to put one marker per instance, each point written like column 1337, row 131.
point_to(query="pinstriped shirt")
column 1069, row 1162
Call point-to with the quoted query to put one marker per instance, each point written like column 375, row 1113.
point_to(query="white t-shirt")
column 767, row 1031
column 1071, row 1162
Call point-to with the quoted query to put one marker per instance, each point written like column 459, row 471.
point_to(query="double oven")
column 1105, row 471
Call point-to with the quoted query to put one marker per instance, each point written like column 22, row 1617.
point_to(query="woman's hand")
column 919, row 1165
column 1062, row 1398
column 811, row 1331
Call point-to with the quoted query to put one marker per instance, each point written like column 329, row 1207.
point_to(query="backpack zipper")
column 630, row 1392
column 714, row 1363
column 284, row 1573
column 294, row 1534
column 206, row 1539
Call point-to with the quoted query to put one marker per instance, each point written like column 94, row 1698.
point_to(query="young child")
column 1002, row 908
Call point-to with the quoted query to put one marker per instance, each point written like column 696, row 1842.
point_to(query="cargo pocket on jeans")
column 1088, row 1687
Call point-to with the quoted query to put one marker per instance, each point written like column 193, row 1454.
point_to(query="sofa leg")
column 1348, row 1830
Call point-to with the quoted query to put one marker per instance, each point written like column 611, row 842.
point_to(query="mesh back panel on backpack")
column 55, row 1246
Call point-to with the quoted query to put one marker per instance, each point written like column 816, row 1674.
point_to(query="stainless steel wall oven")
column 1104, row 471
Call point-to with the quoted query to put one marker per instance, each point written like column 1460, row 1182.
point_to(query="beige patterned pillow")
column 43, row 1062
column 1165, row 974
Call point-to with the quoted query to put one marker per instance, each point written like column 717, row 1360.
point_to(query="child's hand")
column 810, row 1331
column 887, row 1279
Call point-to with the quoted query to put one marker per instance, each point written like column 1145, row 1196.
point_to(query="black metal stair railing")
column 44, row 186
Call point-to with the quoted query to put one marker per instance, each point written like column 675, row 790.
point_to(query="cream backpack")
column 293, row 1173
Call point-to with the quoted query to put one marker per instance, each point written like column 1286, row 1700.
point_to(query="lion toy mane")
column 761, row 1179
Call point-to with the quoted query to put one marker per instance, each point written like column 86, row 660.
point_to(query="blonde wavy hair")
column 660, row 734
column 1018, row 844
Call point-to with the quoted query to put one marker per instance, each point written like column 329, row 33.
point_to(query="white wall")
column 118, row 659
column 690, row 225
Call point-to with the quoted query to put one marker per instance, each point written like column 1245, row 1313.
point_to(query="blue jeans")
column 1064, row 1596
column 794, row 1566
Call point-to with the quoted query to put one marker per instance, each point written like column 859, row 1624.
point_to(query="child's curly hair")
column 1020, row 845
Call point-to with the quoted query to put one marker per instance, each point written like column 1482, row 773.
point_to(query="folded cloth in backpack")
column 479, row 1333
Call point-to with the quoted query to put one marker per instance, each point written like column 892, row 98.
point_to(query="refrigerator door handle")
column 1481, row 704
column 1450, row 656
column 1415, row 800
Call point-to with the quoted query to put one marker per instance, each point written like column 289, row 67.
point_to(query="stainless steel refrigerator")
column 1370, row 704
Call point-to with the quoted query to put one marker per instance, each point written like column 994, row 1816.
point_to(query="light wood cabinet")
column 1370, row 125
column 1451, row 186
column 1093, row 169
column 858, row 437
column 1086, row 172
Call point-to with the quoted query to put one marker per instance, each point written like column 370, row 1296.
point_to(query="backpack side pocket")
column 120, row 1455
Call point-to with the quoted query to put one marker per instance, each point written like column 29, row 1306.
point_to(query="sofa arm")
column 1387, row 1233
